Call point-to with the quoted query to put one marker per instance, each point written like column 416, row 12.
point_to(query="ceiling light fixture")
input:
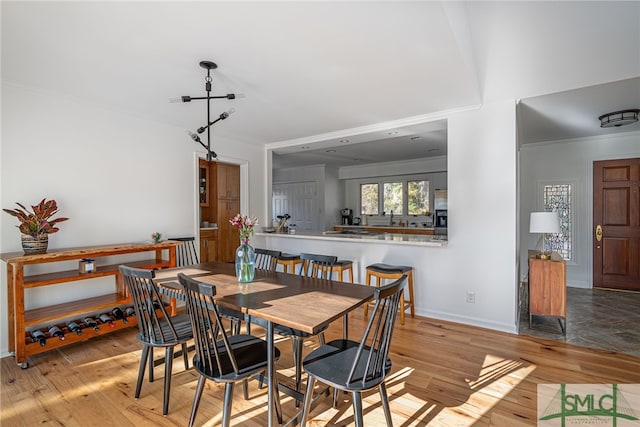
column 619, row 118
column 330, row 151
column 415, row 138
column 208, row 65
column 344, row 141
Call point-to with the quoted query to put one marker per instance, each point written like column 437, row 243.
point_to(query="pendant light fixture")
column 208, row 65
column 619, row 118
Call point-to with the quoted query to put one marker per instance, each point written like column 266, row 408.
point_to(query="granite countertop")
column 387, row 227
column 382, row 238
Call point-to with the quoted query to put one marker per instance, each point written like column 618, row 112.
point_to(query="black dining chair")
column 223, row 358
column 355, row 366
column 155, row 327
column 186, row 253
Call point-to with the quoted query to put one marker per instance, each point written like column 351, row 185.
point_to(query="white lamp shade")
column 544, row 222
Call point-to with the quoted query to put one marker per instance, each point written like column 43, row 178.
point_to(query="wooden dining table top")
column 304, row 303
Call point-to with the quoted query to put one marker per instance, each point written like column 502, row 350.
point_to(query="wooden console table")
column 22, row 321
column 548, row 288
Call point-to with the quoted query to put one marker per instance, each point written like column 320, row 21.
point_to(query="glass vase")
column 245, row 263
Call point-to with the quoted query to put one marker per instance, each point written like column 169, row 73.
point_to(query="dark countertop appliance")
column 347, row 216
column 441, row 218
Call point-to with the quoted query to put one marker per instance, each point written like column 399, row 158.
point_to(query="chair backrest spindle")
column 267, row 259
column 186, row 252
column 376, row 340
column 207, row 328
column 147, row 301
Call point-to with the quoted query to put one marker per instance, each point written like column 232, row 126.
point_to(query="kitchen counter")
column 391, row 228
column 368, row 237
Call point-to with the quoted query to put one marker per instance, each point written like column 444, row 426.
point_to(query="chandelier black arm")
column 192, row 98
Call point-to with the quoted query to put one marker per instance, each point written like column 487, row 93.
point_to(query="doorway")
column 616, row 224
column 298, row 199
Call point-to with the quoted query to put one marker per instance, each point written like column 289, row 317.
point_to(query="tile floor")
column 596, row 318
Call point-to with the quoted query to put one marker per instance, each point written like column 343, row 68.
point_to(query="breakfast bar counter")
column 366, row 237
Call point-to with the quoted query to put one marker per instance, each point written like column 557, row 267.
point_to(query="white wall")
column 481, row 253
column 569, row 161
column 117, row 177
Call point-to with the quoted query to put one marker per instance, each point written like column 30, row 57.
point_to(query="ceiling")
column 316, row 73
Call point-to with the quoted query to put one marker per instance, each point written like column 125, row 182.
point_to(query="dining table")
column 308, row 304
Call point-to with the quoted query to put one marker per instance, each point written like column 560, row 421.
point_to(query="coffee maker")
column 347, row 216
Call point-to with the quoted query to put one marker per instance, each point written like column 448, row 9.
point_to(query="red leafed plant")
column 37, row 222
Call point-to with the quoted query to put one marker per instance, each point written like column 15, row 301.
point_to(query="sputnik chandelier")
column 208, row 65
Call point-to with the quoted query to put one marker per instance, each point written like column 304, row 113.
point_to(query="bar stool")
column 386, row 271
column 341, row 266
column 289, row 262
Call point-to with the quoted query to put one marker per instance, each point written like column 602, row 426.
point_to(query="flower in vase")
column 245, row 225
column 156, row 237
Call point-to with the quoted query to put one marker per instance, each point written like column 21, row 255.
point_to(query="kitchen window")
column 369, row 200
column 417, row 197
column 416, row 201
column 393, row 198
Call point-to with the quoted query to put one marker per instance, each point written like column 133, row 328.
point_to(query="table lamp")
column 544, row 223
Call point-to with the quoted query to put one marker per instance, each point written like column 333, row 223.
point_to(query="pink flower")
column 245, row 225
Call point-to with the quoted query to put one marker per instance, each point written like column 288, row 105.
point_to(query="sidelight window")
column 559, row 198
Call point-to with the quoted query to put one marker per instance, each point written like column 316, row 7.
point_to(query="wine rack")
column 22, row 322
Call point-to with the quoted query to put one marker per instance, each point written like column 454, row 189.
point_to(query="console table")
column 22, row 321
column 548, row 288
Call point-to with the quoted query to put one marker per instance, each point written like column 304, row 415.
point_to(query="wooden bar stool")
column 341, row 266
column 386, row 271
column 289, row 262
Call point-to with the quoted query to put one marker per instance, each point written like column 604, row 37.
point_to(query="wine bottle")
column 38, row 336
column 55, row 331
column 90, row 323
column 74, row 327
column 119, row 314
column 105, row 318
column 130, row 311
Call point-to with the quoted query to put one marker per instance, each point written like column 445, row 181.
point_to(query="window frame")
column 404, row 180
column 573, row 217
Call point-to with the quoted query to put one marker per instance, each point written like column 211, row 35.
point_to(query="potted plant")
column 36, row 225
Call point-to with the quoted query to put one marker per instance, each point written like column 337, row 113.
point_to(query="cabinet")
column 228, row 205
column 203, row 182
column 228, row 181
column 22, row 321
column 208, row 245
column 228, row 236
column 548, row 288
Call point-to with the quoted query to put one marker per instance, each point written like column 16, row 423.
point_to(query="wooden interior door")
column 616, row 224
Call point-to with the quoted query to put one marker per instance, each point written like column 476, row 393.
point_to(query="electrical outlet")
column 471, row 297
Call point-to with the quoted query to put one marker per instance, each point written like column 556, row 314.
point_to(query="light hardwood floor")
column 444, row 374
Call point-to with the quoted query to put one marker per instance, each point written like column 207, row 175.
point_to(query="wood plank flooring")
column 444, row 374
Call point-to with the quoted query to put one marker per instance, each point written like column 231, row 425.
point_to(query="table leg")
column 271, row 373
